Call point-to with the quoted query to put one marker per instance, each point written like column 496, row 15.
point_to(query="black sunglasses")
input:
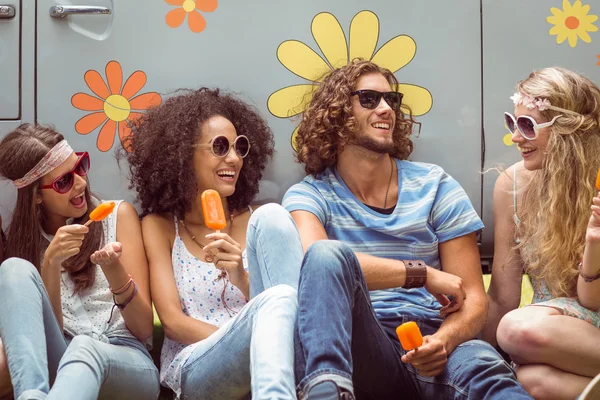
column 370, row 98
column 220, row 146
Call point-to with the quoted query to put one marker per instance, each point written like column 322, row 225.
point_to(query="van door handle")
column 7, row 12
column 63, row 11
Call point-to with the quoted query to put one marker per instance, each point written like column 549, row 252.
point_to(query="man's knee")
column 328, row 257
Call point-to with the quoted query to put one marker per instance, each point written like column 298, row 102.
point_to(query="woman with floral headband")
column 75, row 299
column 5, row 385
column 544, row 227
column 219, row 344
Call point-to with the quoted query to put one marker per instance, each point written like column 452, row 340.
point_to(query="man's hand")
column 441, row 284
column 430, row 358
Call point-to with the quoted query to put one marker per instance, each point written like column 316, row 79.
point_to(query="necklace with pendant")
column 208, row 257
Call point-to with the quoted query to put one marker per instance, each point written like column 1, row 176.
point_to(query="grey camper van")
column 91, row 66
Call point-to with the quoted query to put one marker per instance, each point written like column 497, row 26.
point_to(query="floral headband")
column 54, row 158
column 533, row 102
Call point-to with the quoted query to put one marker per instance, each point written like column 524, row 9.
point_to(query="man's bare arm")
column 460, row 257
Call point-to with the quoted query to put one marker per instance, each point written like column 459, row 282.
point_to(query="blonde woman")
column 544, row 226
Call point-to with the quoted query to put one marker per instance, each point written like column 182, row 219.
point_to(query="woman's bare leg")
column 542, row 335
column 5, row 385
column 545, row 382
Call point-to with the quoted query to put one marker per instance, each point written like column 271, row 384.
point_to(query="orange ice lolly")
column 409, row 335
column 102, row 211
column 212, row 207
column 598, row 180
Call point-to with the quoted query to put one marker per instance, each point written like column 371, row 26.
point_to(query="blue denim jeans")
column 253, row 353
column 339, row 337
column 38, row 353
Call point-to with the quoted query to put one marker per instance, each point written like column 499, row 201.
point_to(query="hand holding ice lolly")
column 214, row 216
column 212, row 207
column 598, row 180
column 409, row 335
column 102, row 211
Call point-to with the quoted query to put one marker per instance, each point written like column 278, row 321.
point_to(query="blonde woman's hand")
column 228, row 256
column 593, row 230
column 107, row 255
column 66, row 243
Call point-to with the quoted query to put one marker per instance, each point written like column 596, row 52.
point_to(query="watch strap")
column 416, row 274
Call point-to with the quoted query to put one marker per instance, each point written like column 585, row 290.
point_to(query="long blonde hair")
column 556, row 204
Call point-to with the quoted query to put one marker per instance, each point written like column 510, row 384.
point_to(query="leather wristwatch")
column 416, row 274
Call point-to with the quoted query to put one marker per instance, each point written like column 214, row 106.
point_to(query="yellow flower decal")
column 572, row 22
column 303, row 61
column 113, row 105
column 507, row 139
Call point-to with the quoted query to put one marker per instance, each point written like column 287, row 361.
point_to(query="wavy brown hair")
column 162, row 152
column 20, row 151
column 556, row 203
column 328, row 123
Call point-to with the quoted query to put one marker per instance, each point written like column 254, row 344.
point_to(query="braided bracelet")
column 122, row 306
column 585, row 278
column 123, row 288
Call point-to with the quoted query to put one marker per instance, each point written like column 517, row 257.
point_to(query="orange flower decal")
column 113, row 104
column 188, row 8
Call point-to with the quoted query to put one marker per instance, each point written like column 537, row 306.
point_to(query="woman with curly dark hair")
column 218, row 344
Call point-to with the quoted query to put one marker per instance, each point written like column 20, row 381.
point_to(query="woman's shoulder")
column 159, row 221
column 506, row 179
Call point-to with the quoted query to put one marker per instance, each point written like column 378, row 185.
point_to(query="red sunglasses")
column 65, row 182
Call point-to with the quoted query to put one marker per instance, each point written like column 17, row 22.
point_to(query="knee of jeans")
column 270, row 217
column 83, row 349
column 480, row 356
column 327, row 257
column 284, row 296
column 16, row 270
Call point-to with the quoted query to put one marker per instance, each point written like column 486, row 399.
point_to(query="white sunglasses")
column 526, row 125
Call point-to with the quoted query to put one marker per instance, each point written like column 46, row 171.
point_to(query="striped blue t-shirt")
column 432, row 208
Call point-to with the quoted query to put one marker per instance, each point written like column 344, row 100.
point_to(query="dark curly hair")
column 162, row 152
column 328, row 123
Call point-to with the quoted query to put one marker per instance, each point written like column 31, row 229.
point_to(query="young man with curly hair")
column 402, row 247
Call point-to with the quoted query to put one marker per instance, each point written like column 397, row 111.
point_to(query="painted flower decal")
column 113, row 104
column 188, row 8
column 572, row 22
column 303, row 61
